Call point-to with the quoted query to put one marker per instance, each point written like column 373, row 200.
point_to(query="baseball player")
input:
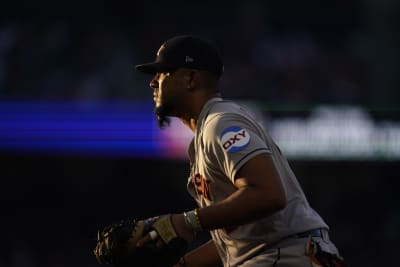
column 248, row 197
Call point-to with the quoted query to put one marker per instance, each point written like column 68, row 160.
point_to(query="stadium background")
column 79, row 146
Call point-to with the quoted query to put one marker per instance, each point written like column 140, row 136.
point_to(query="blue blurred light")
column 79, row 128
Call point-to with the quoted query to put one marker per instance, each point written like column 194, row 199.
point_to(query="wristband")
column 193, row 221
column 196, row 213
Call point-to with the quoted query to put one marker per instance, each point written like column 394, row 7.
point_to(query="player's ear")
column 190, row 79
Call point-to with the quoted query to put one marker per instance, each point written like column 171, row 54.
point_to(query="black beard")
column 162, row 119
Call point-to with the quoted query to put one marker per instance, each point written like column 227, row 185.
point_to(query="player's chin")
column 161, row 109
column 157, row 102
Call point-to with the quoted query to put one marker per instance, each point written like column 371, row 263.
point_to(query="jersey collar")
column 204, row 112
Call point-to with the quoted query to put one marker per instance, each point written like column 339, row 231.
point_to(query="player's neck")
column 190, row 123
column 197, row 104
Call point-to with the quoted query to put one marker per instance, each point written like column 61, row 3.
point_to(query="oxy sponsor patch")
column 234, row 139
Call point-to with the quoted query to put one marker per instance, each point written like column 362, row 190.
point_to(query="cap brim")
column 153, row 67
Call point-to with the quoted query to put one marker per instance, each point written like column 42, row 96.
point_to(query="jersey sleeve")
column 232, row 140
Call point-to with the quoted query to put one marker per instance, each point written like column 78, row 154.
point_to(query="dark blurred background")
column 285, row 57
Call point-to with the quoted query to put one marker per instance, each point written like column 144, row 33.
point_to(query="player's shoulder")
column 226, row 110
column 225, row 106
column 225, row 114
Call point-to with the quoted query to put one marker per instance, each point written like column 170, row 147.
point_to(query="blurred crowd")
column 275, row 53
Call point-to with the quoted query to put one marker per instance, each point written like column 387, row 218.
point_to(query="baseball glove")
column 116, row 244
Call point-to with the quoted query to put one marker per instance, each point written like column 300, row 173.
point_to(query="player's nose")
column 154, row 83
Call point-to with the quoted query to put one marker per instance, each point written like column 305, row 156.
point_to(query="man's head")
column 185, row 68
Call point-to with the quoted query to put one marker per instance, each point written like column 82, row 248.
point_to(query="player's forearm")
column 205, row 255
column 245, row 205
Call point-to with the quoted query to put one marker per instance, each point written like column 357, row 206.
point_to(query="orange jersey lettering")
column 202, row 186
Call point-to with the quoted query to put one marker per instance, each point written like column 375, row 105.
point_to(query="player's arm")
column 203, row 256
column 259, row 194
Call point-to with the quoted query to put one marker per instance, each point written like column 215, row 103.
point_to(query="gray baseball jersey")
column 227, row 136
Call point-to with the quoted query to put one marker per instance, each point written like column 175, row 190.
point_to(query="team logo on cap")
column 234, row 139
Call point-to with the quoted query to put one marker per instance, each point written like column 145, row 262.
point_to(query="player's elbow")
column 271, row 205
column 280, row 203
column 277, row 202
column 276, row 196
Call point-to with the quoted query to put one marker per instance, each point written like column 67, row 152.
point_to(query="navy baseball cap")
column 185, row 51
